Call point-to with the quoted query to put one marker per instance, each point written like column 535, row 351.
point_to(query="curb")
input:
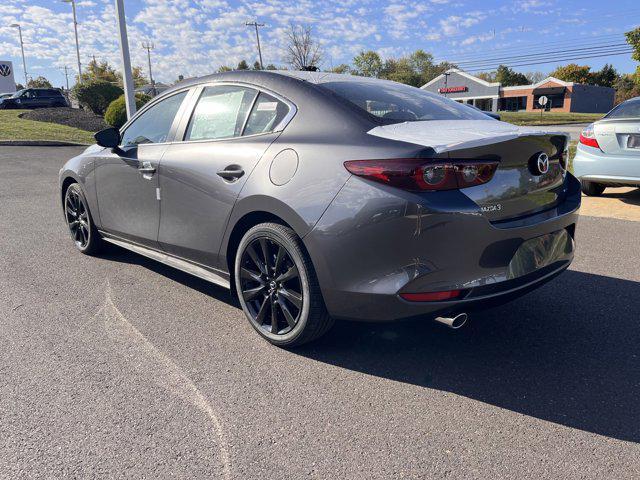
column 40, row 143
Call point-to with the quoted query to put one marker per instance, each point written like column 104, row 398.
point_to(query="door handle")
column 231, row 173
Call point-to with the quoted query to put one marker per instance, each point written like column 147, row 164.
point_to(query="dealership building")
column 561, row 96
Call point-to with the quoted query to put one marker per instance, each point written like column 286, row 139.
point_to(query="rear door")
column 201, row 176
column 127, row 179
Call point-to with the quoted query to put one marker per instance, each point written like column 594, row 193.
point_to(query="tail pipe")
column 454, row 322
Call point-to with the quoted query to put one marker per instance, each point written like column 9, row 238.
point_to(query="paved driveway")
column 121, row 367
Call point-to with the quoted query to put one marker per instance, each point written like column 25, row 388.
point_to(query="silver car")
column 320, row 196
column 608, row 154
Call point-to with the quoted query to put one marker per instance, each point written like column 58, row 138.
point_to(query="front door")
column 201, row 177
column 127, row 178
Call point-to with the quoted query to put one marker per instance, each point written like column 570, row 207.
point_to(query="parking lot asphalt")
column 120, row 367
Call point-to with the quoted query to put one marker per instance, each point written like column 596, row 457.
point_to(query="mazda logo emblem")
column 539, row 164
column 5, row 70
column 543, row 163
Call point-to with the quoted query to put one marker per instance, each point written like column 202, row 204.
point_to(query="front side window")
column 220, row 112
column 393, row 102
column 154, row 124
column 266, row 115
column 629, row 109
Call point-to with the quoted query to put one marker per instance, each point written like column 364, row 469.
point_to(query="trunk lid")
column 518, row 187
column 618, row 136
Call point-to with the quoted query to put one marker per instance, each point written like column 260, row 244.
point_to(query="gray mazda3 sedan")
column 320, row 196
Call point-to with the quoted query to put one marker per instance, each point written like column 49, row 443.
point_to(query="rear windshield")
column 628, row 109
column 394, row 102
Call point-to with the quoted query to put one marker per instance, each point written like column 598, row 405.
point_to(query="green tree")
column 242, row 65
column 116, row 113
column 256, row 65
column 224, row 68
column 574, row 73
column 96, row 95
column 39, row 82
column 507, row 77
column 342, row 68
column 606, row 76
column 401, row 70
column 103, row 72
column 487, row 76
column 633, row 39
column 368, row 64
column 271, row 66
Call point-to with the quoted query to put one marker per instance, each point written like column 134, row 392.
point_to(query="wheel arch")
column 252, row 211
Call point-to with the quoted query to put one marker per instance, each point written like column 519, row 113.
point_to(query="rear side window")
column 220, row 112
column 266, row 114
column 630, row 109
column 393, row 102
column 154, row 124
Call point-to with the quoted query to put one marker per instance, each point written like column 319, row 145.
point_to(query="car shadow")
column 568, row 353
column 631, row 197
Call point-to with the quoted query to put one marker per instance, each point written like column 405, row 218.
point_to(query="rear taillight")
column 588, row 137
column 418, row 174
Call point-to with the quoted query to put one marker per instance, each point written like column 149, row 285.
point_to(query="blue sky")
column 195, row 37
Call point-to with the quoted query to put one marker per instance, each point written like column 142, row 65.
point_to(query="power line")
column 555, row 60
column 518, row 47
column 543, row 54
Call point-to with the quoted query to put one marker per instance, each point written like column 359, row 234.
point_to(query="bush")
column 116, row 114
column 96, row 95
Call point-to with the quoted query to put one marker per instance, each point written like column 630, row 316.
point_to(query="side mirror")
column 108, row 138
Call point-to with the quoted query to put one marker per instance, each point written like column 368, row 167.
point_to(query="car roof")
column 267, row 77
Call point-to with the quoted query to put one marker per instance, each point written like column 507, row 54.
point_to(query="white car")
column 608, row 154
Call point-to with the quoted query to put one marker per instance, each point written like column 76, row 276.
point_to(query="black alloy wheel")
column 76, row 212
column 271, row 286
column 277, row 286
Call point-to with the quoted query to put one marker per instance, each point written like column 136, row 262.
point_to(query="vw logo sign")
column 5, row 70
column 539, row 164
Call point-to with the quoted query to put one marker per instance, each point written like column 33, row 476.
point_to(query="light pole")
column 256, row 25
column 24, row 63
column 75, row 29
column 127, row 77
column 148, row 47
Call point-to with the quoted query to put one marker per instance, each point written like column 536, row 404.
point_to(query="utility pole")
column 24, row 63
column 75, row 29
column 127, row 77
column 256, row 25
column 148, row 47
column 65, row 69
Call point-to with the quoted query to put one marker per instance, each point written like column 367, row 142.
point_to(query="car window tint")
column 154, row 124
column 629, row 109
column 394, row 102
column 266, row 114
column 220, row 112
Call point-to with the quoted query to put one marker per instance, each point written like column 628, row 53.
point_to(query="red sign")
column 453, row 89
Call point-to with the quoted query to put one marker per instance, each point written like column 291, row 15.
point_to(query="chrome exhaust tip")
column 454, row 322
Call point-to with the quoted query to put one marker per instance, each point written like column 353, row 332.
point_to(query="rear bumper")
column 374, row 243
column 594, row 165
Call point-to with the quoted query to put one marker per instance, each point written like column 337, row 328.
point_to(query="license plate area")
column 633, row 141
column 539, row 252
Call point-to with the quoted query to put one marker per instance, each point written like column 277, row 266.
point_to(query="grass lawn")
column 13, row 127
column 548, row 118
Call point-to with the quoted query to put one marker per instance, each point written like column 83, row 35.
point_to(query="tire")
column 83, row 231
column 265, row 287
column 592, row 189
